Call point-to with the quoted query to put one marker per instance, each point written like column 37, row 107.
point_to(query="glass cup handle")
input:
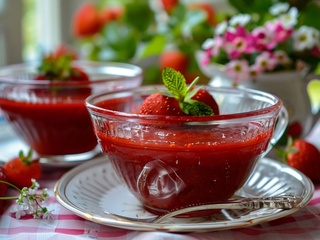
column 282, row 123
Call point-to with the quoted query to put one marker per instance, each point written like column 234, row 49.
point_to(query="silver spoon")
column 277, row 202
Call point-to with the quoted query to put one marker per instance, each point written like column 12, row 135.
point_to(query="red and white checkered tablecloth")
column 304, row 224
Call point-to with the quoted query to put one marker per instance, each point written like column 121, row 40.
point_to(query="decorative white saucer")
column 93, row 187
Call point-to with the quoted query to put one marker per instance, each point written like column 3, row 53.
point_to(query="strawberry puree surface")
column 52, row 128
column 168, row 167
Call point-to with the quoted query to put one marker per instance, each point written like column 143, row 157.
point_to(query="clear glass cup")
column 170, row 162
column 50, row 116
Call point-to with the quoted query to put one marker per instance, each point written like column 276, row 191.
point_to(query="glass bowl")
column 169, row 162
column 50, row 116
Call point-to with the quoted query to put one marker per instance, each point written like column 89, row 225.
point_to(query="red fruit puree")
column 172, row 167
column 52, row 128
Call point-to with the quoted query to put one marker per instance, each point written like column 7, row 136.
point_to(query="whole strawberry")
column 175, row 59
column 304, row 157
column 169, row 5
column 22, row 169
column 87, row 20
column 3, row 187
column 183, row 100
column 58, row 67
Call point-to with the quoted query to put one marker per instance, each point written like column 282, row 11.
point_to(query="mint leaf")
column 175, row 83
column 196, row 108
column 177, row 86
column 191, row 93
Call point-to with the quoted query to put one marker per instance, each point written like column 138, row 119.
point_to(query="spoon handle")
column 279, row 202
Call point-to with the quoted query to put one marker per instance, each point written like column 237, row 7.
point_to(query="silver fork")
column 277, row 202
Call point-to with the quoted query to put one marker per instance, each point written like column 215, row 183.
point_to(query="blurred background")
column 28, row 28
column 158, row 33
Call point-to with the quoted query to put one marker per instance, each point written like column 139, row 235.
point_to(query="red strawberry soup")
column 170, row 162
column 48, row 111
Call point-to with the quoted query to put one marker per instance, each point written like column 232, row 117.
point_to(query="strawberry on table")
column 184, row 100
column 3, row 187
column 22, row 169
column 302, row 156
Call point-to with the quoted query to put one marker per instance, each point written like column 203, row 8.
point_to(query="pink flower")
column 255, row 71
column 281, row 34
column 264, row 39
column 212, row 47
column 238, row 70
column 238, row 42
column 266, row 61
column 300, row 65
column 206, row 57
column 315, row 51
column 218, row 44
column 282, row 58
column 248, row 48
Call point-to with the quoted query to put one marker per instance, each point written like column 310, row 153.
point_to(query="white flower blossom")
column 315, row 33
column 208, row 43
column 305, row 38
column 35, row 184
column 28, row 202
column 221, row 28
column 289, row 19
column 48, row 215
column 240, row 19
column 20, row 213
column 279, row 8
column 32, row 191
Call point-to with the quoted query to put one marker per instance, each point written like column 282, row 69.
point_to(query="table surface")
column 304, row 224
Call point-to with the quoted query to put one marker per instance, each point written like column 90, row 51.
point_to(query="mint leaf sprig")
column 176, row 84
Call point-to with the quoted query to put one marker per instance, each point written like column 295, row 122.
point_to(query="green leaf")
column 310, row 16
column 122, row 40
column 175, row 83
column 154, row 47
column 191, row 86
column 196, row 108
column 139, row 15
column 191, row 93
column 251, row 6
column 151, row 75
column 26, row 158
column 177, row 86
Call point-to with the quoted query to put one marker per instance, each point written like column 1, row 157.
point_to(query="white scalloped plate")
column 93, row 187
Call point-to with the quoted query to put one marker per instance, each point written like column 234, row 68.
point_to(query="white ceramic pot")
column 291, row 87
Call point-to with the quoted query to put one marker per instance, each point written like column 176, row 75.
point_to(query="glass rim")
column 269, row 111
column 117, row 74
